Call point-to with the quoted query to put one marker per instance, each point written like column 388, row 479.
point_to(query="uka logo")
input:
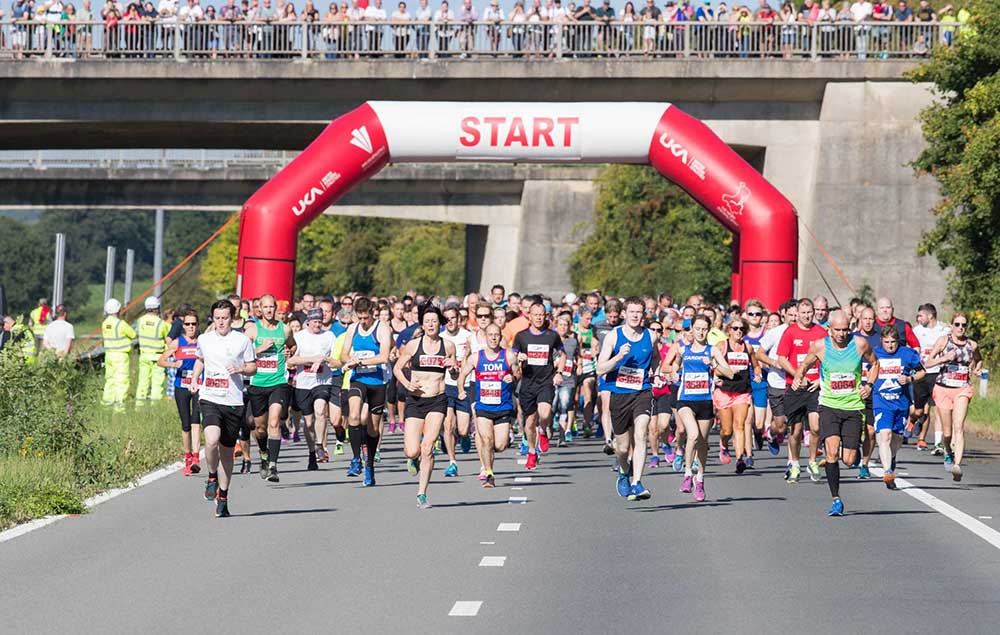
column 309, row 197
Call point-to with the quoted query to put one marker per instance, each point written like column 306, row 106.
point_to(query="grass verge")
column 984, row 413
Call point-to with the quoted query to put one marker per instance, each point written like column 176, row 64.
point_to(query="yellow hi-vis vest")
column 152, row 335
column 117, row 334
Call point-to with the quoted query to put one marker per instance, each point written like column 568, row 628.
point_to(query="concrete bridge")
column 834, row 136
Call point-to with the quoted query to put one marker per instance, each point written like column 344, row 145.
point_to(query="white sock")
column 938, row 434
column 688, row 472
column 699, row 478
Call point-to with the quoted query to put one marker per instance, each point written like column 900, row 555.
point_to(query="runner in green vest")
column 269, row 391
column 842, row 395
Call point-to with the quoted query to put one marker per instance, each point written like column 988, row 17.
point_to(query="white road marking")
column 522, row 479
column 483, row 542
column 519, row 500
column 509, row 527
column 465, row 609
column 985, row 532
column 522, row 461
column 493, row 561
column 985, row 518
column 516, row 489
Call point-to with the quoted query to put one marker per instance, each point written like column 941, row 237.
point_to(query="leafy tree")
column 218, row 270
column 26, row 262
column 962, row 129
column 424, row 256
column 650, row 236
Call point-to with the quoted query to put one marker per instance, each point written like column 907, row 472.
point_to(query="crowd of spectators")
column 275, row 28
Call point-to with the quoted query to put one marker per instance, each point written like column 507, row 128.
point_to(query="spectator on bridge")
column 401, row 30
column 231, row 14
column 604, row 15
column 584, row 32
column 286, row 31
column 311, row 30
column 264, row 34
column 494, row 16
column 516, row 31
column 650, row 15
column 788, row 30
column 355, row 41
column 827, row 20
column 375, row 15
column 926, row 15
column 467, row 17
column 422, row 31
column 444, row 18
column 626, row 37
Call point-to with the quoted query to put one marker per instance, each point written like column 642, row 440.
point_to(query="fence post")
column 305, row 40
column 431, row 44
column 813, row 38
column 559, row 41
column 687, row 40
column 49, row 36
column 178, row 35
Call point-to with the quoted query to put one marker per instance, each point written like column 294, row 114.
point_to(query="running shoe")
column 272, row 474
column 608, row 448
column 313, row 465
column 793, row 473
column 699, row 491
column 670, row 438
column 956, row 473
column 889, row 478
column 687, row 484
column 724, row 456
column 245, row 468
column 187, row 465
column 668, row 453
column 411, row 467
column 938, row 450
column 567, row 436
column 295, row 437
column 378, row 456
column 466, row 443
column 524, row 447
column 452, row 470
column 532, row 461
column 863, row 472
column 369, row 476
column 814, row 471
column 482, row 474
column 948, row 462
column 263, row 466
column 678, row 462
column 837, row 509
column 788, row 470
column 543, row 442
column 741, row 465
column 654, row 461
column 339, row 448
column 221, row 507
column 438, row 446
column 758, row 439
column 921, row 446
column 695, row 465
column 195, row 464
column 638, row 492
column 355, row 468
column 490, row 482
column 774, row 445
column 622, row 484
column 211, row 489
column 749, row 462
column 422, row 501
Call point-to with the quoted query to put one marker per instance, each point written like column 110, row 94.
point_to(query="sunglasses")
column 656, row 330
column 190, row 324
column 483, row 315
column 961, row 324
column 755, row 314
column 735, row 328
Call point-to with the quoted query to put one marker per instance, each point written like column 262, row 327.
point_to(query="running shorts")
column 799, row 403
column 248, row 422
column 401, row 393
column 420, row 407
column 337, row 396
column 533, row 394
column 894, row 420
column 498, row 418
column 584, row 377
column 456, row 404
column 702, row 410
column 373, row 395
column 723, row 399
column 664, row 404
column 945, row 397
column 392, row 391
column 626, row 407
column 306, row 398
column 776, row 398
column 845, row 424
column 228, row 419
column 922, row 392
column 869, row 411
column 262, row 398
column 758, row 394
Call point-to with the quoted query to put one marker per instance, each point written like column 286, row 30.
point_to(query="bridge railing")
column 518, row 39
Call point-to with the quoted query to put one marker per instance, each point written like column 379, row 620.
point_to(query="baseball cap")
column 687, row 324
column 314, row 314
column 570, row 298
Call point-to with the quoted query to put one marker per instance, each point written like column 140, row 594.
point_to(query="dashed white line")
column 485, row 542
column 985, row 518
column 517, row 500
column 522, row 461
column 465, row 608
column 493, row 561
column 522, row 479
column 517, row 489
column 509, row 527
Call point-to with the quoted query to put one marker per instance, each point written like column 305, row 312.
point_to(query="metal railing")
column 159, row 39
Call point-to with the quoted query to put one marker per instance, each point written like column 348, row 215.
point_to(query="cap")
column 152, row 302
column 570, row 298
column 314, row 314
column 282, row 305
column 112, row 306
column 687, row 324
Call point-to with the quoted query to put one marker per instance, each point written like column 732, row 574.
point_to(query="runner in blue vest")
column 898, row 366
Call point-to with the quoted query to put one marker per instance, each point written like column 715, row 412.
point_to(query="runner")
column 182, row 354
column 961, row 359
column 663, row 403
column 495, row 372
column 866, row 329
column 339, row 384
column 691, row 365
column 313, row 380
column 365, row 353
column 928, row 332
column 801, row 404
column 395, row 401
column 897, row 367
column 842, row 392
column 539, row 351
column 732, row 395
column 459, row 414
column 612, row 312
column 224, row 356
column 587, row 379
column 767, row 354
column 269, row 392
column 565, row 404
column 429, row 358
column 628, row 359
column 757, row 415
column 821, row 310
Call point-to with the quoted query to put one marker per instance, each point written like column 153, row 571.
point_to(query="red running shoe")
column 187, row 465
column 543, row 442
column 195, row 464
column 532, row 461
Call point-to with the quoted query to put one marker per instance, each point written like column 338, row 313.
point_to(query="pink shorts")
column 945, row 397
column 723, row 399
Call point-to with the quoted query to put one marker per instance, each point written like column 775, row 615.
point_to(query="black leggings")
column 187, row 407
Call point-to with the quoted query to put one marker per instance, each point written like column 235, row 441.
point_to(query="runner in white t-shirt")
column 767, row 353
column 225, row 356
column 313, row 381
column 928, row 330
column 459, row 414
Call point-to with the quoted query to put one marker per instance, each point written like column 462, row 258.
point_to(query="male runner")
column 928, row 331
column 539, row 351
column 767, row 353
column 866, row 329
column 313, row 378
column 898, row 366
column 459, row 413
column 612, row 312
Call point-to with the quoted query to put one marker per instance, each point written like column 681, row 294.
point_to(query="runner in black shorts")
column 540, row 354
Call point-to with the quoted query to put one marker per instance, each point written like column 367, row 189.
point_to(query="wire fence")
column 518, row 39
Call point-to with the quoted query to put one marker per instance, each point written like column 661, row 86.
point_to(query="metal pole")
column 129, row 264
column 60, row 267
column 109, row 275
column 158, row 252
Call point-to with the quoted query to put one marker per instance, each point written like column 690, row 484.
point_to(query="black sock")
column 371, row 442
column 340, row 434
column 223, row 493
column 833, row 477
column 273, row 447
column 213, row 476
column 356, row 442
column 262, row 443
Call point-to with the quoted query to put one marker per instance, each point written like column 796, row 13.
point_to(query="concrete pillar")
column 475, row 250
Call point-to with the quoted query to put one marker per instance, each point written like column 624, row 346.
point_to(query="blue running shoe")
column 624, row 489
column 452, row 470
column 948, row 462
column 837, row 509
column 773, row 447
column 863, row 472
column 524, row 448
column 638, row 492
column 369, row 476
column 749, row 462
column 694, row 465
column 422, row 501
column 355, row 469
column 466, row 442
column 678, row 462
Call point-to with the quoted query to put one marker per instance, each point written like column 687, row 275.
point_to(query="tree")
column 26, row 264
column 650, row 236
column 962, row 129
column 218, row 271
column 424, row 256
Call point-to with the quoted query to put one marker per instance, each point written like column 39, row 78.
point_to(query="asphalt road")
column 318, row 552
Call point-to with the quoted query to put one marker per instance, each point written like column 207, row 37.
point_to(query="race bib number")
column 185, row 378
column 568, row 367
column 738, row 361
column 956, row 375
column 813, row 373
column 216, row 385
column 364, row 370
column 538, row 354
column 890, row 368
column 267, row 364
column 696, row 384
column 431, row 361
column 630, row 378
column 490, row 392
column 843, row 383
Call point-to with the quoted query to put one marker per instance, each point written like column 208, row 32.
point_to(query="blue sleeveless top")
column 493, row 394
column 632, row 373
column 365, row 345
column 696, row 374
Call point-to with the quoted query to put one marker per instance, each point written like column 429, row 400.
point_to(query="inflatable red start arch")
column 681, row 148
